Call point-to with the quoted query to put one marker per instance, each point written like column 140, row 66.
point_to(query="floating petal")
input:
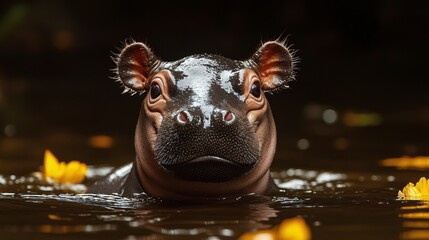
column 290, row 229
column 294, row 229
column 60, row 172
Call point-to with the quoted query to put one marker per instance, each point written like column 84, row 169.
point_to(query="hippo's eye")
column 255, row 90
column 155, row 91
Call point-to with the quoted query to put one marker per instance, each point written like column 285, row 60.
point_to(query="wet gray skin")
column 206, row 135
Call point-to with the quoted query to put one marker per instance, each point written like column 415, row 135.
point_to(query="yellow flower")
column 290, row 229
column 61, row 172
column 418, row 192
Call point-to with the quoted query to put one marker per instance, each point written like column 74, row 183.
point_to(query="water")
column 335, row 204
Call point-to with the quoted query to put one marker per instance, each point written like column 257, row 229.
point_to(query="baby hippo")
column 205, row 128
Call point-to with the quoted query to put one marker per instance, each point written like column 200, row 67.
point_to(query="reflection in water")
column 415, row 215
column 351, row 204
column 58, row 218
column 415, row 234
column 416, row 224
column 300, row 179
column 416, row 221
column 64, row 229
column 224, row 218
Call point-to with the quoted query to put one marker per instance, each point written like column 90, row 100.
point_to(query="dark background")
column 370, row 57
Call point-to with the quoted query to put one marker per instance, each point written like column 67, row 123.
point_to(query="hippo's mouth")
column 209, row 169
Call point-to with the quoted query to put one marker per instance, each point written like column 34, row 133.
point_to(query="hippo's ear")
column 135, row 63
column 275, row 64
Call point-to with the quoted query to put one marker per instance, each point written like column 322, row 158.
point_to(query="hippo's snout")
column 192, row 149
column 198, row 118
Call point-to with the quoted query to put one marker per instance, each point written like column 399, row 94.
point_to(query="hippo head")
column 205, row 127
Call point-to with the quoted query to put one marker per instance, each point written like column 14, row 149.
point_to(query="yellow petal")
column 411, row 191
column 422, row 186
column 401, row 195
column 74, row 172
column 420, row 191
column 50, row 165
column 289, row 229
column 80, row 176
column 61, row 170
column 259, row 235
column 294, row 229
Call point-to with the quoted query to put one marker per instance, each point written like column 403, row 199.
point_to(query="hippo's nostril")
column 183, row 117
column 228, row 117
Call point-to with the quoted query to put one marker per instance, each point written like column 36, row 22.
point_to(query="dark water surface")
column 358, row 61
column 335, row 204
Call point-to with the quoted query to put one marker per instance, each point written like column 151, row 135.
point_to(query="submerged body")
column 205, row 128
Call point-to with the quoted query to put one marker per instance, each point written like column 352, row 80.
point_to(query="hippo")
column 205, row 128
